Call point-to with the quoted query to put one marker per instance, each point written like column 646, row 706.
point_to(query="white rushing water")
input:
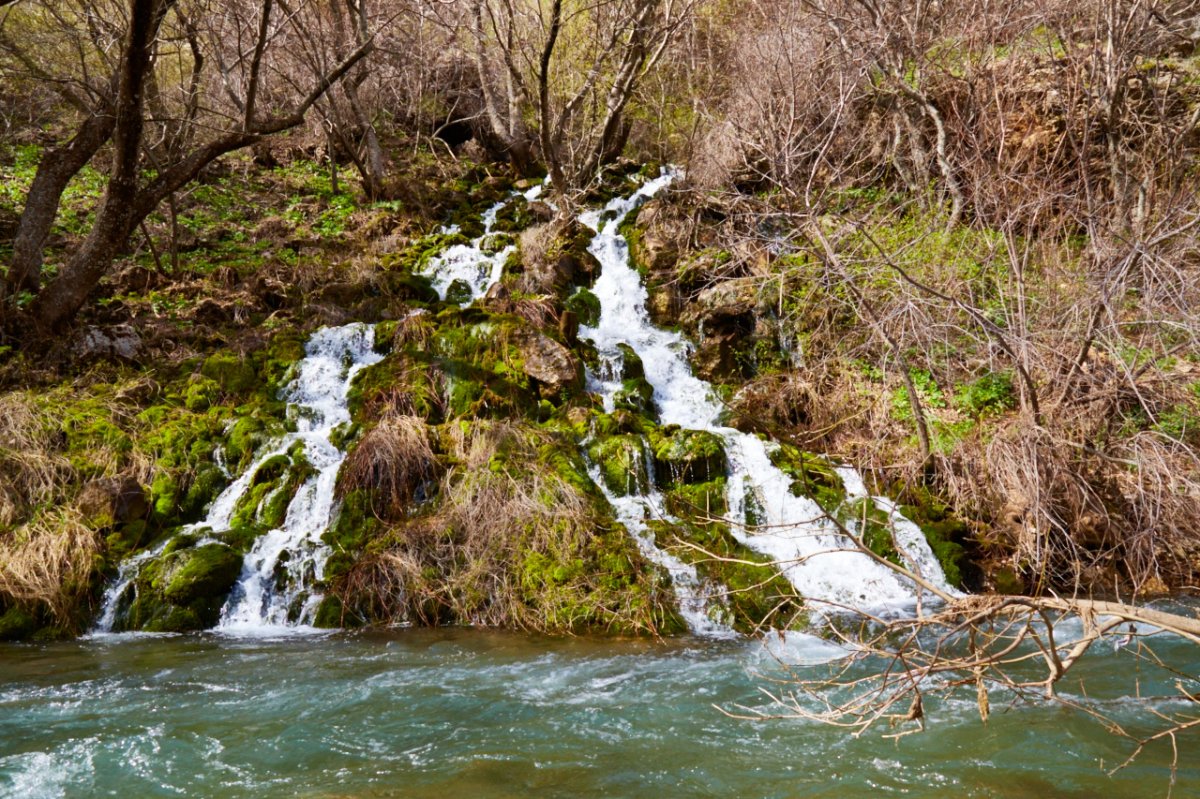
column 261, row 601
column 476, row 264
column 818, row 560
column 275, row 589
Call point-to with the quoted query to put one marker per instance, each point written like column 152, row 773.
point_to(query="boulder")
column 688, row 456
column 110, row 501
column 547, row 361
column 121, row 342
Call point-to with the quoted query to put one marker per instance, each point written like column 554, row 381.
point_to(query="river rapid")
column 471, row 713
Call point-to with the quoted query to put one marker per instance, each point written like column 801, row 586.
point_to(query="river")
column 471, row 713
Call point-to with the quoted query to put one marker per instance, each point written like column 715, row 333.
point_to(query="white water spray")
column 475, row 263
column 814, row 556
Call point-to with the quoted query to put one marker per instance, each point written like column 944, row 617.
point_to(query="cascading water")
column 820, row 563
column 274, row 589
column 295, row 552
column 696, row 601
column 475, row 265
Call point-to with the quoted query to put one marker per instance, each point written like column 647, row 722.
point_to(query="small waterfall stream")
column 820, row 563
column 476, row 265
column 295, row 551
column 275, row 588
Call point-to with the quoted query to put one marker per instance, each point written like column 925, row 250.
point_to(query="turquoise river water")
column 466, row 713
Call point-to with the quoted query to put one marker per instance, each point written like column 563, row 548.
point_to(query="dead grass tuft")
column 506, row 547
column 393, row 461
column 50, row 561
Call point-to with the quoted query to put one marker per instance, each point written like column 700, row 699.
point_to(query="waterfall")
column 475, row 265
column 812, row 553
column 294, row 552
column 275, row 588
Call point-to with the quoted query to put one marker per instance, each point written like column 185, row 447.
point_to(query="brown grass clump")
column 32, row 470
column 393, row 461
column 49, row 562
column 416, row 329
column 513, row 542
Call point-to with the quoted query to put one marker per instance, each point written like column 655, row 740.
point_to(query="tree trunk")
column 115, row 222
column 54, row 172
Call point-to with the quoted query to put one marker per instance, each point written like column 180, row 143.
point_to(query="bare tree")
column 243, row 103
column 557, row 78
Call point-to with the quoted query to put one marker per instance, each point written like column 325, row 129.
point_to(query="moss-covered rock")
column 230, row 372
column 636, row 396
column 687, row 456
column 705, row 500
column 812, row 476
column 622, row 463
column 757, row 595
column 585, row 305
column 184, row 588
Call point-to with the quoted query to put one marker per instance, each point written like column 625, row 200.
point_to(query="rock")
column 208, row 571
column 568, row 327
column 497, row 292
column 343, row 293
column 688, row 456
column 184, row 588
column 732, row 301
column 656, row 246
column 541, row 212
column 663, row 304
column 632, row 367
column 120, row 341
column 211, row 312
column 547, row 361
column 565, row 261
column 110, row 501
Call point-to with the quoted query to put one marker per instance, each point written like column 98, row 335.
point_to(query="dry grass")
column 487, row 555
column 32, row 469
column 394, row 460
column 49, row 562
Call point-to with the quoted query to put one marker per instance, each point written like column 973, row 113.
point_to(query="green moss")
column 631, row 363
column 201, row 394
column 948, row 535
column 687, row 456
column 208, row 571
column 873, row 526
column 812, row 476
column 496, row 242
column 17, row 623
column 513, row 217
column 585, row 305
column 636, row 396
column 417, row 257
column 231, row 373
column 700, row 500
